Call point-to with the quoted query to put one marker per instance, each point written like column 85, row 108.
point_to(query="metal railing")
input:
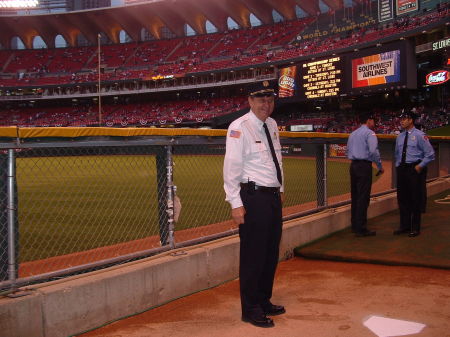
column 76, row 200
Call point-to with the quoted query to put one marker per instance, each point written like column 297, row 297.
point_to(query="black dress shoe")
column 260, row 320
column 365, row 233
column 274, row 310
column 413, row 234
column 400, row 231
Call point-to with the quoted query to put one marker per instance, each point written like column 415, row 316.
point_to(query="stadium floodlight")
column 18, row 3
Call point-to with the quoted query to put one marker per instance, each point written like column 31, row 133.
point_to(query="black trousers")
column 410, row 190
column 361, row 183
column 260, row 236
column 424, row 189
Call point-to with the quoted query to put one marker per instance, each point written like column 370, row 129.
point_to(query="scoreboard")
column 322, row 78
column 386, row 67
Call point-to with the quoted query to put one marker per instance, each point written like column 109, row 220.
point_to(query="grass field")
column 70, row 204
column 444, row 131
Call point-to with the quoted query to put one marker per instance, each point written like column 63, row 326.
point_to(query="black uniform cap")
column 261, row 89
column 407, row 114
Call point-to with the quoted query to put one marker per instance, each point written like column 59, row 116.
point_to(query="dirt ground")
column 322, row 299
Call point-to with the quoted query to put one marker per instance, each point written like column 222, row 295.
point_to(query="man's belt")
column 251, row 186
column 410, row 164
column 361, row 161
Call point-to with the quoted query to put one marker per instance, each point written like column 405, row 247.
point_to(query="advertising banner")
column 302, row 128
column 287, row 82
column 437, row 77
column 406, row 6
column 338, row 150
column 376, row 69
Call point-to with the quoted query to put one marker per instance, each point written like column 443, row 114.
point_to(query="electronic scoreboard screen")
column 321, row 78
column 387, row 67
column 390, row 66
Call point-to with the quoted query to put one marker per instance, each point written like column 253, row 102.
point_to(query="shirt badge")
column 425, row 137
column 413, row 138
column 235, row 134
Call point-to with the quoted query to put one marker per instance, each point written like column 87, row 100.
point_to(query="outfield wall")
column 80, row 303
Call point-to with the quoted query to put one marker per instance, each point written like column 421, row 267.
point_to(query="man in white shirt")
column 253, row 183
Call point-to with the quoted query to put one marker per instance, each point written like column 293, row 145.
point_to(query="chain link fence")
column 73, row 206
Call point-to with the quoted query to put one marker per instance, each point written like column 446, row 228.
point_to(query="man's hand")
column 282, row 197
column 418, row 168
column 380, row 171
column 238, row 215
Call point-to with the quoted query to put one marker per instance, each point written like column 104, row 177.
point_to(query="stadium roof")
column 151, row 15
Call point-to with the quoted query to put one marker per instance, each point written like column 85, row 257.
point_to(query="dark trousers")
column 423, row 183
column 410, row 196
column 361, row 183
column 260, row 236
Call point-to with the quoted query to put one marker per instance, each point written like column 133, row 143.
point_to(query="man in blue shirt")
column 413, row 152
column 362, row 150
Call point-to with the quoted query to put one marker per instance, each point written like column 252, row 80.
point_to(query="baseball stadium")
column 113, row 130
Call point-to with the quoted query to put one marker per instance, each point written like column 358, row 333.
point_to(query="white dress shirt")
column 248, row 156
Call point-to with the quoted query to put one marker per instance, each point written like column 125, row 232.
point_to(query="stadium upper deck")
column 151, row 16
column 197, row 62
column 177, row 57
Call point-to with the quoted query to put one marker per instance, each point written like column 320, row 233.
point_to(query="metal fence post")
column 321, row 174
column 9, row 224
column 3, row 218
column 161, row 180
column 11, row 211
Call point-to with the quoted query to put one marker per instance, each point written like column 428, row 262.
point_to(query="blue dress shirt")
column 418, row 148
column 363, row 145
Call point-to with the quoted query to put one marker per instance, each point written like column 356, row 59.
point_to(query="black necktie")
column 405, row 144
column 274, row 156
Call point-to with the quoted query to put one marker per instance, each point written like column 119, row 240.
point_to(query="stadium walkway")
column 322, row 299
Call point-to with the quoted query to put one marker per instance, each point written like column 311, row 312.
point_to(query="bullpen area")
column 402, row 289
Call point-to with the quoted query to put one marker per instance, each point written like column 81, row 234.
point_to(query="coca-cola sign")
column 437, row 77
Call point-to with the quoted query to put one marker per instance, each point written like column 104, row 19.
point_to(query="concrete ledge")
column 80, row 304
column 77, row 304
column 22, row 316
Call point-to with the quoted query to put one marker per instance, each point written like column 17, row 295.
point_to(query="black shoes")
column 274, row 310
column 406, row 231
column 365, row 233
column 400, row 231
column 259, row 320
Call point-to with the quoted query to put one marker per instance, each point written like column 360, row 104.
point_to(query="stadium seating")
column 69, row 60
column 216, row 51
column 138, row 114
column 178, row 56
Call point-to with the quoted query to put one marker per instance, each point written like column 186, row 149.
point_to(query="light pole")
column 99, row 83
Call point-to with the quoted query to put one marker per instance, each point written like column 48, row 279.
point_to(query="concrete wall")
column 80, row 303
